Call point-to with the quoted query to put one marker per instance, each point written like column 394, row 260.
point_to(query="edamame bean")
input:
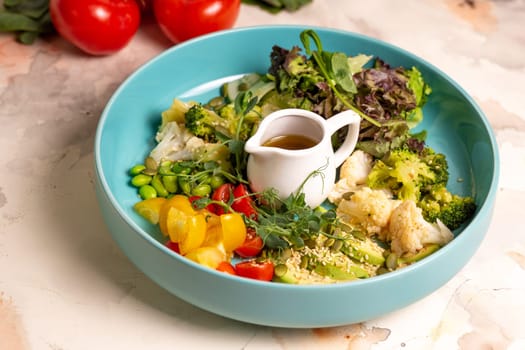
column 137, row 169
column 216, row 181
column 170, row 183
column 140, row 180
column 147, row 192
column 158, row 186
column 201, row 190
column 184, row 185
column 180, row 168
column 165, row 168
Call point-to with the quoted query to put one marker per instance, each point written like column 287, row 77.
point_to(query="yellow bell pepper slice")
column 207, row 256
column 177, row 224
column 150, row 208
column 233, row 231
column 179, row 202
column 213, row 237
column 194, row 237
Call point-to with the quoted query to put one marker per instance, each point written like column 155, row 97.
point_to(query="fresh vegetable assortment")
column 103, row 27
column 389, row 208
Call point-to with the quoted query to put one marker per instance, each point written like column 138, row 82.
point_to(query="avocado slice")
column 420, row 254
column 364, row 250
column 338, row 274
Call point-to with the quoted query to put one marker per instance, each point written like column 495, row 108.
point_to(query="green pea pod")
column 137, row 169
column 157, row 184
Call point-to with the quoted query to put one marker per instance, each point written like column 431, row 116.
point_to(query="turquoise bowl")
column 195, row 70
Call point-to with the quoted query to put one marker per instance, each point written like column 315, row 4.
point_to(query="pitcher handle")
column 338, row 121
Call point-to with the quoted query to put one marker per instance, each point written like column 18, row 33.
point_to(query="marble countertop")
column 64, row 284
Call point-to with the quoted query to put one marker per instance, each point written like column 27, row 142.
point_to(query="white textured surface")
column 65, row 285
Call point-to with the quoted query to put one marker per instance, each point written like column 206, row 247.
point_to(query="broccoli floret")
column 250, row 121
column 176, row 112
column 437, row 162
column 205, row 123
column 208, row 124
column 451, row 209
column 403, row 172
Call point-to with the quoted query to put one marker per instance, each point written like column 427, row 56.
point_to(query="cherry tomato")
column 173, row 246
column 210, row 207
column 226, row 267
column 262, row 271
column 222, row 194
column 252, row 245
column 181, row 20
column 98, row 27
column 243, row 203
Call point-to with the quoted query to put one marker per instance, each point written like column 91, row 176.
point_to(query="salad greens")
column 390, row 206
column 26, row 19
column 274, row 6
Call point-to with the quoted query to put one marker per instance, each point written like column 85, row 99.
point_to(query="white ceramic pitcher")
column 286, row 169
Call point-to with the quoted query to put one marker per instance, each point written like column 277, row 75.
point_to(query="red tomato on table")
column 98, row 27
column 181, row 20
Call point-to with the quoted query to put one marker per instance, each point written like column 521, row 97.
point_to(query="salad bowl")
column 195, row 70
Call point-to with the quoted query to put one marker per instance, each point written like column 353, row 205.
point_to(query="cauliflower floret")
column 409, row 232
column 368, row 209
column 352, row 175
column 175, row 143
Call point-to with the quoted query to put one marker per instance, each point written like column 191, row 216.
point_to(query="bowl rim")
column 482, row 211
